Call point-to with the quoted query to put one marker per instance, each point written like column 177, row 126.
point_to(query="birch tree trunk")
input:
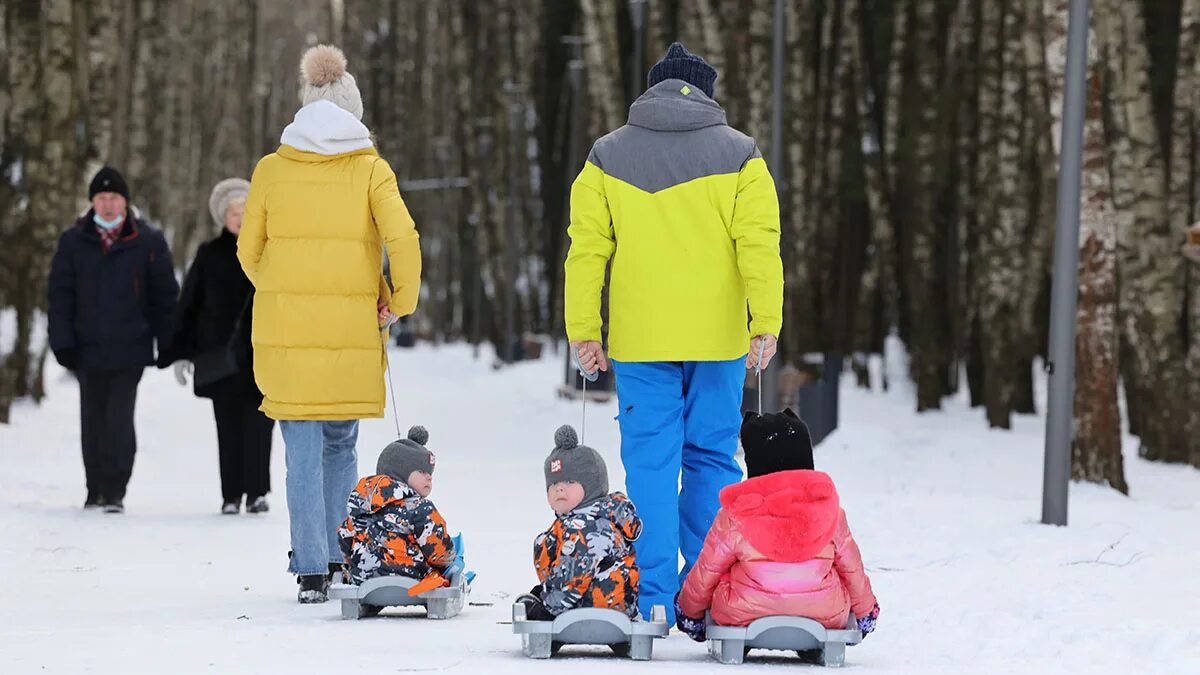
column 603, row 65
column 1152, row 276
column 146, row 171
column 1000, row 252
column 1184, row 193
column 40, row 134
column 1040, row 165
column 23, row 68
column 875, row 313
column 104, row 60
column 800, row 330
column 922, row 260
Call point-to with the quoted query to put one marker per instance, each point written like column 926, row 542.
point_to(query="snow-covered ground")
column 945, row 512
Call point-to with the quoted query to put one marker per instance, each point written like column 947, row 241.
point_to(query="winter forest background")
column 917, row 181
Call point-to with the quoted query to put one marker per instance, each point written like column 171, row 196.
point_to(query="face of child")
column 564, row 496
column 421, row 482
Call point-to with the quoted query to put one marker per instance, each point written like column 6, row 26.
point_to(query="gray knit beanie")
column 325, row 79
column 225, row 193
column 406, row 455
column 571, row 461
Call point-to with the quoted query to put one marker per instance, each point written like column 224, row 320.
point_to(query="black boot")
column 257, row 505
column 534, row 609
column 314, row 588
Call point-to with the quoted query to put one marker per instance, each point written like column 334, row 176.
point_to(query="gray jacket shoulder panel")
column 656, row 160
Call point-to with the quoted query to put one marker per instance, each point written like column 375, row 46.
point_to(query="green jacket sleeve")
column 755, row 233
column 592, row 244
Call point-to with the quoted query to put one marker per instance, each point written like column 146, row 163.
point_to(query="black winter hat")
column 775, row 442
column 571, row 461
column 108, row 179
column 406, row 455
column 680, row 64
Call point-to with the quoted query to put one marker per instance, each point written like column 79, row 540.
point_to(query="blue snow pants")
column 676, row 418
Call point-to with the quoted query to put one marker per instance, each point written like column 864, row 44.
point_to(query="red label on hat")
column 432, row 459
column 555, row 466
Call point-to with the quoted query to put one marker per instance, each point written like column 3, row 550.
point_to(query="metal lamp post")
column 483, row 135
column 770, row 376
column 637, row 17
column 1064, row 293
column 509, row 353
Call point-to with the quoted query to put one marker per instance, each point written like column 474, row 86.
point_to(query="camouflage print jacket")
column 393, row 531
column 586, row 558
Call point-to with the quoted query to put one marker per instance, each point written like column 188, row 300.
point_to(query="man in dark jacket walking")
column 112, row 293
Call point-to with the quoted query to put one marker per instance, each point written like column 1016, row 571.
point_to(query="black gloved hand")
column 67, row 358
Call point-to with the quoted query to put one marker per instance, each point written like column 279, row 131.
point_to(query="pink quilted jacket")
column 779, row 545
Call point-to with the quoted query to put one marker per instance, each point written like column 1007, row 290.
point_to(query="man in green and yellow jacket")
column 685, row 209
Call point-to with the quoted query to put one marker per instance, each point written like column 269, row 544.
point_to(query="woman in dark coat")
column 213, row 333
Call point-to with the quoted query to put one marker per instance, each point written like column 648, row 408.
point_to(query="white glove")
column 182, row 370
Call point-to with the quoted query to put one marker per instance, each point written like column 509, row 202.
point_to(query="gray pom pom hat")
column 571, row 461
column 402, row 457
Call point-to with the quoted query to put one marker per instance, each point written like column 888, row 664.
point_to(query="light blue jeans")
column 322, row 469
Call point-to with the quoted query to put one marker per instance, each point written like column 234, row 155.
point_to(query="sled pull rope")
column 391, row 385
column 587, row 377
column 762, row 346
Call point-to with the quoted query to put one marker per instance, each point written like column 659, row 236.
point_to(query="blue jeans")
column 322, row 469
column 677, row 418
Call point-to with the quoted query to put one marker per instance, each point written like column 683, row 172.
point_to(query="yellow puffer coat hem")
column 298, row 412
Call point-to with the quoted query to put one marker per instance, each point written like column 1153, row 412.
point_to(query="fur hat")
column 323, row 69
column 225, row 193
column 406, row 455
column 571, row 461
column 775, row 442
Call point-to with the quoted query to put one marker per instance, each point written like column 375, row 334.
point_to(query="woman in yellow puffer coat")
column 321, row 209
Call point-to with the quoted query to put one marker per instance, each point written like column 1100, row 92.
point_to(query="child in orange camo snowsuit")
column 586, row 558
column 393, row 529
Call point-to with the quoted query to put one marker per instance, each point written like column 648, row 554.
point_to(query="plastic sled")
column 591, row 626
column 373, row 595
column 730, row 644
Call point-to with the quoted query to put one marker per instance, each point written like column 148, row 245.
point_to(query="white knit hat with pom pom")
column 323, row 70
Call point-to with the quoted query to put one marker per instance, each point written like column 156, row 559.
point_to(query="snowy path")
column 945, row 513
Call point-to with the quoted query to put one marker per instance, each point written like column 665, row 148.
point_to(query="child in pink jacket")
column 780, row 544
